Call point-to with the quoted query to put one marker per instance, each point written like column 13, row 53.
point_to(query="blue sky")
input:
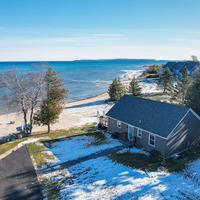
column 89, row 29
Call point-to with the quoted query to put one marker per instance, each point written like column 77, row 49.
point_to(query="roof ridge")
column 160, row 102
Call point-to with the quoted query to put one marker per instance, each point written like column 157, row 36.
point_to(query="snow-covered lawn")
column 104, row 179
column 80, row 146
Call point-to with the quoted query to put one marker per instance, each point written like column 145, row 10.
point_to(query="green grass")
column 51, row 189
column 85, row 129
column 10, row 145
column 37, row 151
column 152, row 163
column 182, row 163
column 137, row 161
column 82, row 130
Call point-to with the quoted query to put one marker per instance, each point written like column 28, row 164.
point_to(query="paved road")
column 18, row 179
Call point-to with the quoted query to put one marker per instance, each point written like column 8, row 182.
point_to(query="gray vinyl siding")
column 185, row 136
column 112, row 126
column 143, row 142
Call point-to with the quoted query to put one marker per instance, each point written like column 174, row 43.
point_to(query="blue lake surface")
column 83, row 78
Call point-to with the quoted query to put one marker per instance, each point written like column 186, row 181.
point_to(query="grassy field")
column 152, row 163
column 85, row 129
column 10, row 145
column 37, row 151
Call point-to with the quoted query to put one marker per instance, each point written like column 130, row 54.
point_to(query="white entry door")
column 130, row 133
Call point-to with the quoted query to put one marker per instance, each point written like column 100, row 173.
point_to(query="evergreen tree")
column 134, row 87
column 167, row 81
column 193, row 93
column 116, row 90
column 52, row 105
column 182, row 85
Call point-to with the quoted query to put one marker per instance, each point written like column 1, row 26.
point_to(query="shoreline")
column 86, row 98
column 75, row 114
column 66, row 103
column 92, row 98
column 80, row 112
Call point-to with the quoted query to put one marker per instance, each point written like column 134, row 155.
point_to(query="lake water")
column 83, row 78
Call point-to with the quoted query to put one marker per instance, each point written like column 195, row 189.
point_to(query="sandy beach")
column 74, row 114
column 79, row 112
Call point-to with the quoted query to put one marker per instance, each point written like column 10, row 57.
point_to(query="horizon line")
column 93, row 59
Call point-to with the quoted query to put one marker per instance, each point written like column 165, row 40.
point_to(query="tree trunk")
column 49, row 128
column 48, row 97
column 31, row 118
column 164, row 90
column 25, row 119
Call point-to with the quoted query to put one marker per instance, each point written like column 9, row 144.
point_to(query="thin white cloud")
column 95, row 44
column 71, row 53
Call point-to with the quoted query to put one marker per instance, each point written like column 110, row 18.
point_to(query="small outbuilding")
column 154, row 125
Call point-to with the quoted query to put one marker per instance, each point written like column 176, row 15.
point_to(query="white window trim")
column 154, row 140
column 139, row 133
column 119, row 124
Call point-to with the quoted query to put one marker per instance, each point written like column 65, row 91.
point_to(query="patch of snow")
column 103, row 179
column 30, row 140
column 87, row 120
column 134, row 150
column 130, row 74
column 148, row 85
column 193, row 172
column 79, row 146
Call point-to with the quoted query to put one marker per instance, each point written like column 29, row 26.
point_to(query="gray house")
column 177, row 67
column 153, row 125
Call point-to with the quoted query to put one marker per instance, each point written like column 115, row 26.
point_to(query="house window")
column 139, row 133
column 152, row 140
column 119, row 124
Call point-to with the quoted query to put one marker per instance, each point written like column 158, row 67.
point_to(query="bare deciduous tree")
column 24, row 92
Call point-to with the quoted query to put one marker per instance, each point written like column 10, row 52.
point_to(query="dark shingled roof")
column 153, row 116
